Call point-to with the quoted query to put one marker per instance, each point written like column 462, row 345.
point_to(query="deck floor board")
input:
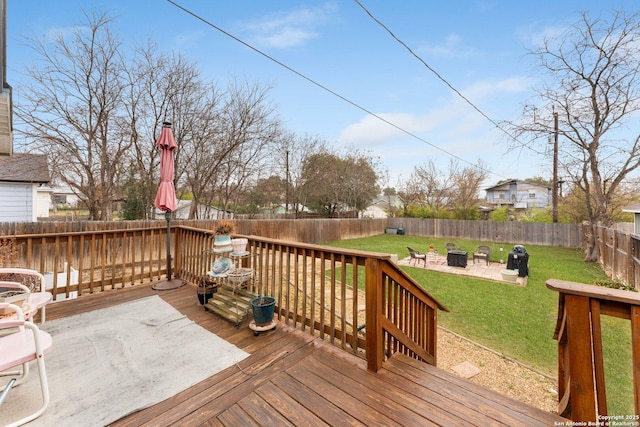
column 294, row 378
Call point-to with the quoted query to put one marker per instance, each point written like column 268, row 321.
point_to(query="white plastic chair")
column 23, row 343
column 36, row 300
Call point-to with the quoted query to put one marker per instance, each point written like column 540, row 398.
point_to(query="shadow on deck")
column 294, row 378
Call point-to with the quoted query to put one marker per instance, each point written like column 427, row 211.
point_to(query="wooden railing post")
column 373, row 291
column 635, row 351
column 581, row 382
column 580, row 346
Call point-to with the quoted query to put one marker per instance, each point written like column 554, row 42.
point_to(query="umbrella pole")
column 164, row 285
column 167, row 216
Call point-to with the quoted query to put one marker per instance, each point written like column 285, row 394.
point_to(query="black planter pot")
column 205, row 293
column 263, row 310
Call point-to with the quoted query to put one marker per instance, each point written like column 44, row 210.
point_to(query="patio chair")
column 22, row 343
column 18, row 294
column 450, row 246
column 417, row 256
column 482, row 252
column 38, row 298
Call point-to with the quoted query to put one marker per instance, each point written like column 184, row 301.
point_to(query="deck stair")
column 231, row 303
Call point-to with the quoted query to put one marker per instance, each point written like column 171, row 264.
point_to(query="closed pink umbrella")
column 166, row 197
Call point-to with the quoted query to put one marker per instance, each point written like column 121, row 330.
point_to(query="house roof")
column 24, row 167
column 633, row 208
column 506, row 184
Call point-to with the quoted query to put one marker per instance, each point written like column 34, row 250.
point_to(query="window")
column 532, row 194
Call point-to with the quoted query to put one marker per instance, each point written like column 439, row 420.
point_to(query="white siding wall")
column 42, row 204
column 17, row 202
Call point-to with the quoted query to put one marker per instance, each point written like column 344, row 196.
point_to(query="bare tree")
column 249, row 127
column 71, row 111
column 466, row 188
column 162, row 88
column 594, row 88
column 436, row 186
column 410, row 192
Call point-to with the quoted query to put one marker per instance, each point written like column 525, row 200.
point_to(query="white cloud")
column 452, row 47
column 454, row 116
column 373, row 131
column 490, row 89
column 536, row 37
column 289, row 29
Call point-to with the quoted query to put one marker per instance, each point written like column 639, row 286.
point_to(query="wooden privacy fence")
column 581, row 373
column 324, row 230
column 619, row 254
column 360, row 301
column 524, row 233
column 304, row 230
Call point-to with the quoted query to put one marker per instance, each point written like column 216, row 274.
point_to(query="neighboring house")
column 22, row 177
column 635, row 210
column 275, row 211
column 204, row 211
column 43, row 202
column 381, row 205
column 63, row 197
column 283, row 209
column 519, row 195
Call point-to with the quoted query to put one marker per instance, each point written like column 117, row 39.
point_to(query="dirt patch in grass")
column 497, row 372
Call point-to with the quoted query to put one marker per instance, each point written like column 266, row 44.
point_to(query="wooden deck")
column 294, row 379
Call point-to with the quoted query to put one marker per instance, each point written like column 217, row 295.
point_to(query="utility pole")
column 286, row 206
column 554, row 194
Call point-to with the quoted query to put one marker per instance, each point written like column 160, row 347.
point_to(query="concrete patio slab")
column 479, row 269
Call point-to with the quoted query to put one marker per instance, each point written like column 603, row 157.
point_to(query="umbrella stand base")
column 165, row 285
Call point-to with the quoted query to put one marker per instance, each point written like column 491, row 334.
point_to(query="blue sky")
column 479, row 47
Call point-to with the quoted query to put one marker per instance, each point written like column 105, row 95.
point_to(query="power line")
column 445, row 81
column 323, row 87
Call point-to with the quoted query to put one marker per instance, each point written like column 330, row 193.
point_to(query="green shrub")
column 615, row 284
column 500, row 214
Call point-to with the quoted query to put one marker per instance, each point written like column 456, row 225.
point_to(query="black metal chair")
column 451, row 246
column 482, row 252
column 416, row 256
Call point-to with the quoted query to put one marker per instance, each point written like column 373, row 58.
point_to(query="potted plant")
column 263, row 310
column 206, row 288
column 222, row 231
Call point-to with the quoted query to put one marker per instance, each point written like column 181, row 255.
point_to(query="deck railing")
column 360, row 301
column 77, row 263
column 581, row 374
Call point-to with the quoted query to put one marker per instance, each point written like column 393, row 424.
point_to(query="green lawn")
column 513, row 320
